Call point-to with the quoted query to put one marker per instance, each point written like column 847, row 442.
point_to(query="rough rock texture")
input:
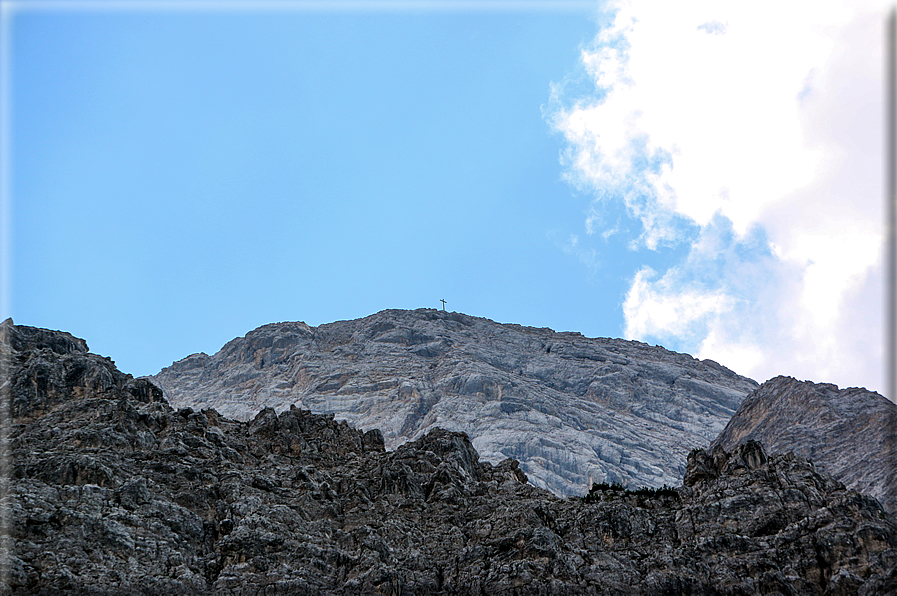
column 572, row 410
column 850, row 433
column 114, row 492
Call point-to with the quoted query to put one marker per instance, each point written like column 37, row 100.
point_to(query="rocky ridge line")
column 117, row 493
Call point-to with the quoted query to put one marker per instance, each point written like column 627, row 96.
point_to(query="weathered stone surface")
column 572, row 410
column 849, row 433
column 115, row 492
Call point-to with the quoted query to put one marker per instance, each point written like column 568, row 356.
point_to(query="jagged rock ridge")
column 849, row 433
column 571, row 409
column 114, row 492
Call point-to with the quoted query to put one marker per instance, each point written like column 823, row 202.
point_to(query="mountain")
column 849, row 433
column 573, row 410
column 114, row 492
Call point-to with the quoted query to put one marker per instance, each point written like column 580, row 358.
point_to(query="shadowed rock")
column 115, row 492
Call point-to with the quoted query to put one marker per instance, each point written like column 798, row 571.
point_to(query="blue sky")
column 175, row 178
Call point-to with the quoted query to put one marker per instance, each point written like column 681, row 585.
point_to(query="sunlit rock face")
column 573, row 410
column 849, row 433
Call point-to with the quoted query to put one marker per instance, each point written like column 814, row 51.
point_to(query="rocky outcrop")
column 849, row 433
column 571, row 409
column 114, row 492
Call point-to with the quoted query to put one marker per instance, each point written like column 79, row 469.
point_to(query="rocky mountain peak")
column 850, row 433
column 573, row 410
column 23, row 338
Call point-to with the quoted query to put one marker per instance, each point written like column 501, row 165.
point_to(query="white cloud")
column 760, row 123
column 660, row 307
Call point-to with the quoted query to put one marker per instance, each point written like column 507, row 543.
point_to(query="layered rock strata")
column 571, row 409
column 114, row 492
column 850, row 433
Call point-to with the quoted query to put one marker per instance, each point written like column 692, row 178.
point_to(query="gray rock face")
column 116, row 493
column 849, row 433
column 572, row 410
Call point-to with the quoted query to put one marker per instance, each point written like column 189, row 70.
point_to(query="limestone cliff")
column 849, row 433
column 573, row 410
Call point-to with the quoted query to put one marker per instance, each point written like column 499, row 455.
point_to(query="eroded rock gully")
column 115, row 492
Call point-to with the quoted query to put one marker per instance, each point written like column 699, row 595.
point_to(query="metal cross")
column 443, row 304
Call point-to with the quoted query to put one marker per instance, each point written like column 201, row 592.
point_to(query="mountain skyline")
column 176, row 175
column 115, row 490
